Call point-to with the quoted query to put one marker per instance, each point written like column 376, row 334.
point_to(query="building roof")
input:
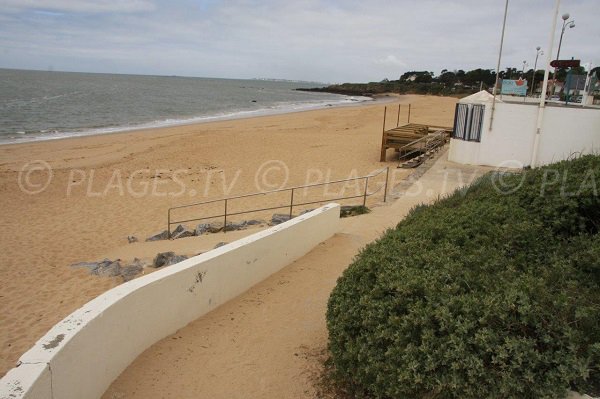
column 482, row 97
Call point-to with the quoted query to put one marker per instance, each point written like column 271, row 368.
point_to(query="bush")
column 481, row 295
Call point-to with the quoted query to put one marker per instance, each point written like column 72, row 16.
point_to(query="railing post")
column 225, row 218
column 366, row 187
column 383, row 147
column 398, row 120
column 169, row 224
column 291, row 203
column 408, row 113
column 387, row 174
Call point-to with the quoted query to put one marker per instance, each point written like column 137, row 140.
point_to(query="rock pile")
column 167, row 259
column 182, row 231
column 114, row 268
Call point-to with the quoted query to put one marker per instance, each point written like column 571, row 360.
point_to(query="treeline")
column 447, row 83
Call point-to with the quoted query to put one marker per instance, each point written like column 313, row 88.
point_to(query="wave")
column 281, row 108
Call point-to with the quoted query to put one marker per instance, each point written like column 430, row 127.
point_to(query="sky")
column 315, row 40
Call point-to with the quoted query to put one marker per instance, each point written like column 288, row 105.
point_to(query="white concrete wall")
column 81, row 356
column 565, row 130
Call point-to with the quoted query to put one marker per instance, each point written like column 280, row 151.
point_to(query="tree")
column 447, row 78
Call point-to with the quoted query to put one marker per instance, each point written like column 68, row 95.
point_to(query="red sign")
column 565, row 63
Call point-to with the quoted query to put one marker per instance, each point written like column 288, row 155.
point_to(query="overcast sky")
column 317, row 40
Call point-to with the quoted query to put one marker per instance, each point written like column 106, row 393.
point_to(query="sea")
column 45, row 105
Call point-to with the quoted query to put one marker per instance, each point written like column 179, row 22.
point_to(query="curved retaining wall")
column 81, row 356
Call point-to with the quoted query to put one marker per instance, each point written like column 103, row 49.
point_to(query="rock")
column 182, row 234
column 220, row 245
column 164, row 235
column 87, row 265
column 278, row 218
column 180, row 228
column 167, row 259
column 105, row 268
column 254, row 222
column 132, row 239
column 215, row 227
column 202, row 228
column 108, row 268
column 130, row 271
column 235, row 226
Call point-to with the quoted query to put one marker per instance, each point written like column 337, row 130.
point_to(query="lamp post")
column 523, row 70
column 570, row 24
column 537, row 54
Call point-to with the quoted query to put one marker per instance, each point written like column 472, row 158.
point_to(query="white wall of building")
column 565, row 130
column 568, row 131
column 83, row 354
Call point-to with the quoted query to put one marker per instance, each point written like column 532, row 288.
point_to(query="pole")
column 366, row 187
column 537, row 54
column 408, row 113
column 387, row 175
column 291, row 203
column 542, row 106
column 398, row 120
column 169, row 224
column 383, row 147
column 498, row 66
column 225, row 218
column 586, row 87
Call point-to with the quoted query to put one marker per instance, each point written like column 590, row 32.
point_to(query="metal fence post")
column 365, row 195
column 225, row 218
column 169, row 224
column 387, row 173
column 291, row 203
column 398, row 120
column 408, row 113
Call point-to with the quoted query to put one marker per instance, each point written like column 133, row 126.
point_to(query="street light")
column 570, row 24
column 523, row 70
column 537, row 54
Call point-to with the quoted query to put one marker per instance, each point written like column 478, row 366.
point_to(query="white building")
column 509, row 140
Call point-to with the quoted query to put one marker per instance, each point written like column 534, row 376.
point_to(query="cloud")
column 79, row 6
column 390, row 60
column 318, row 40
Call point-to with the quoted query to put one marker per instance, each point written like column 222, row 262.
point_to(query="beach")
column 74, row 200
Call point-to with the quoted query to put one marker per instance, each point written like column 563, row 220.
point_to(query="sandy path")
column 268, row 343
column 104, row 188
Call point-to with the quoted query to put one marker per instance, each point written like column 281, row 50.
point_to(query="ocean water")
column 40, row 105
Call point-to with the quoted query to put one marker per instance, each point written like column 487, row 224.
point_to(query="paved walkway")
column 270, row 341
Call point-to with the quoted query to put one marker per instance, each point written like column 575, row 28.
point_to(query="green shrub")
column 481, row 295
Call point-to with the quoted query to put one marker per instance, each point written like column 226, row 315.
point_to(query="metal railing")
column 289, row 206
column 423, row 144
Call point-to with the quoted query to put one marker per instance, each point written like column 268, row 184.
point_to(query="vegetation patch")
column 347, row 211
column 493, row 292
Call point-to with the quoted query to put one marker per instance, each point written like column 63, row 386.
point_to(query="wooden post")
column 382, row 155
column 408, row 113
column 398, row 120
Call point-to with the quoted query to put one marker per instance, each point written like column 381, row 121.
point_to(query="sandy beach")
column 101, row 189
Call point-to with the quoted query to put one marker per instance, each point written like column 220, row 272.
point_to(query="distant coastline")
column 397, row 86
